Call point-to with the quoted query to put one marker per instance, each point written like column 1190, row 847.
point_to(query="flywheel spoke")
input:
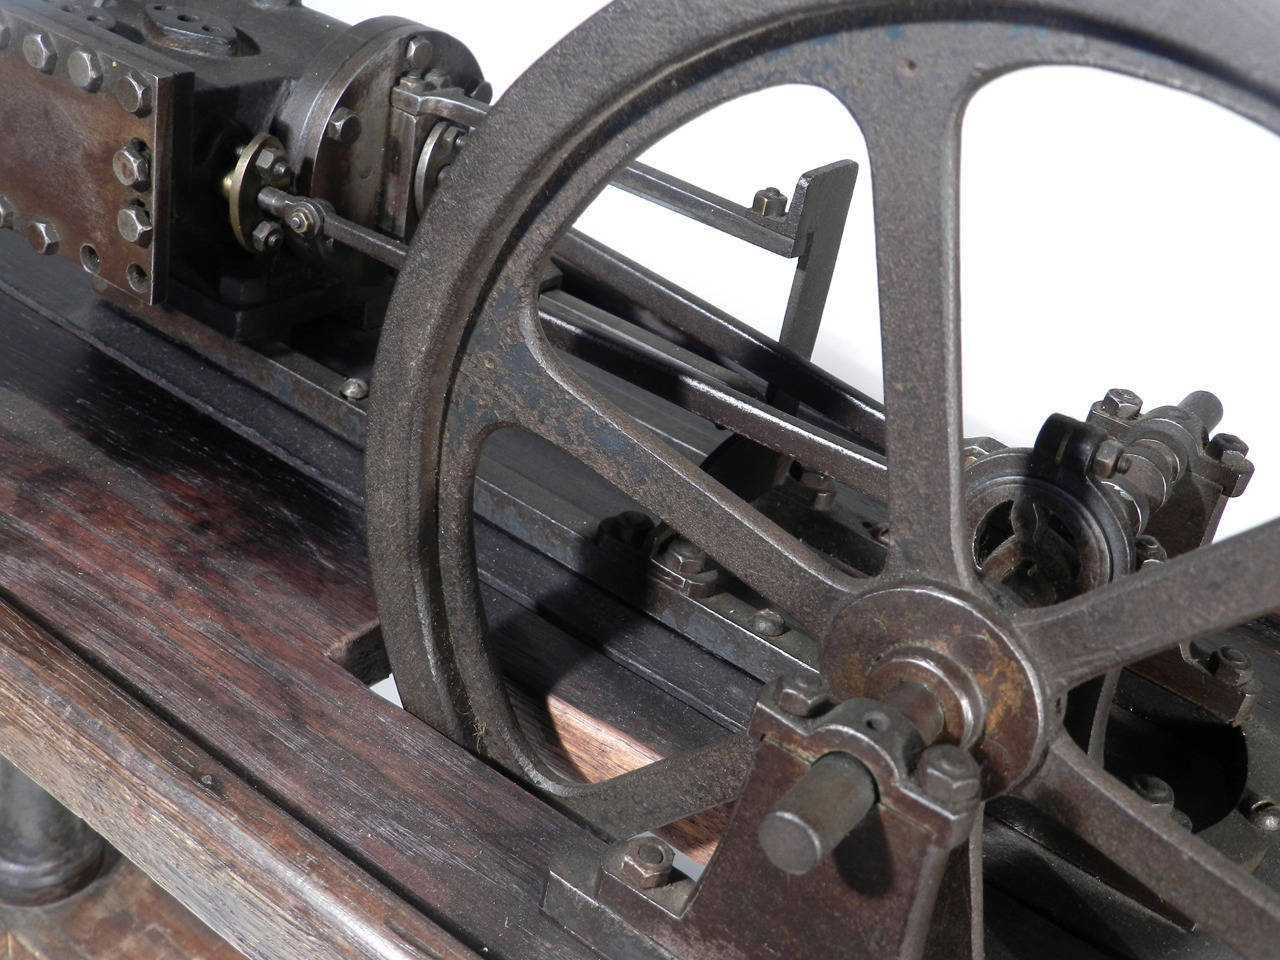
column 1189, row 598
column 1179, row 867
column 914, row 161
column 515, row 384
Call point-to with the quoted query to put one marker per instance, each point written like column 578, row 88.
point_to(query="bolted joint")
column 39, row 52
column 770, row 202
column 134, row 95
column 631, row 527
column 1232, row 666
column 949, row 774
column 85, row 70
column 344, row 126
column 1108, row 459
column 685, row 557
column 302, row 220
column 646, row 863
column 267, row 236
column 353, row 388
column 418, row 53
column 1121, row 404
column 132, row 167
column 134, row 224
column 804, row 696
column 43, row 237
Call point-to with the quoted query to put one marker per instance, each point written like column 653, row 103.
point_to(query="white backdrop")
column 1113, row 234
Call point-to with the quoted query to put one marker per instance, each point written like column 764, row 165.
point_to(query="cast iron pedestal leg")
column 46, row 852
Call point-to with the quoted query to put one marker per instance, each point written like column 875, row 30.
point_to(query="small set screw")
column 770, row 202
column 353, row 388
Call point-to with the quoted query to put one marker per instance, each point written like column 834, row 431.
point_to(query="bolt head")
column 354, row 389
column 1152, row 789
column 770, row 202
column 1265, row 816
column 266, row 236
column 43, row 236
column 646, row 863
column 39, row 52
column 418, row 53
column 768, row 623
column 4, row 35
column 686, row 557
column 1232, row 666
column 949, row 774
column 344, row 126
column 1121, row 404
column 804, row 696
column 133, row 95
column 1224, row 443
column 1149, row 551
column 1106, row 459
column 85, row 70
column 134, row 225
column 7, row 213
column 132, row 168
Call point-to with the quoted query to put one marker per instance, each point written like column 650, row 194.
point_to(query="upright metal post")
column 46, row 852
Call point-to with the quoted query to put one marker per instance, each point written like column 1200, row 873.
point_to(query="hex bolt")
column 134, row 224
column 1224, row 443
column 948, row 773
column 1149, row 551
column 267, row 236
column 418, row 53
column 1232, row 666
column 344, row 126
column 7, row 213
column 43, row 236
column 685, row 557
column 804, row 696
column 1265, row 816
column 768, row 623
column 132, row 168
column 4, row 35
column 631, row 527
column 39, row 52
column 822, row 808
column 1121, row 404
column 85, row 70
column 353, row 388
column 1107, row 459
column 770, row 202
column 133, row 95
column 1155, row 791
column 646, row 863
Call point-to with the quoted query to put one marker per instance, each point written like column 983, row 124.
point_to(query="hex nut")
column 646, row 863
column 685, row 557
column 133, row 95
column 1121, row 404
column 344, row 126
column 804, row 696
column 1107, row 458
column 132, row 167
column 7, row 213
column 134, row 224
column 43, row 236
column 948, row 773
column 267, row 236
column 418, row 53
column 39, row 52
column 84, row 70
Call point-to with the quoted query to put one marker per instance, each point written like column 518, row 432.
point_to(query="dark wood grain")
column 247, row 869
column 210, row 582
column 123, row 915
